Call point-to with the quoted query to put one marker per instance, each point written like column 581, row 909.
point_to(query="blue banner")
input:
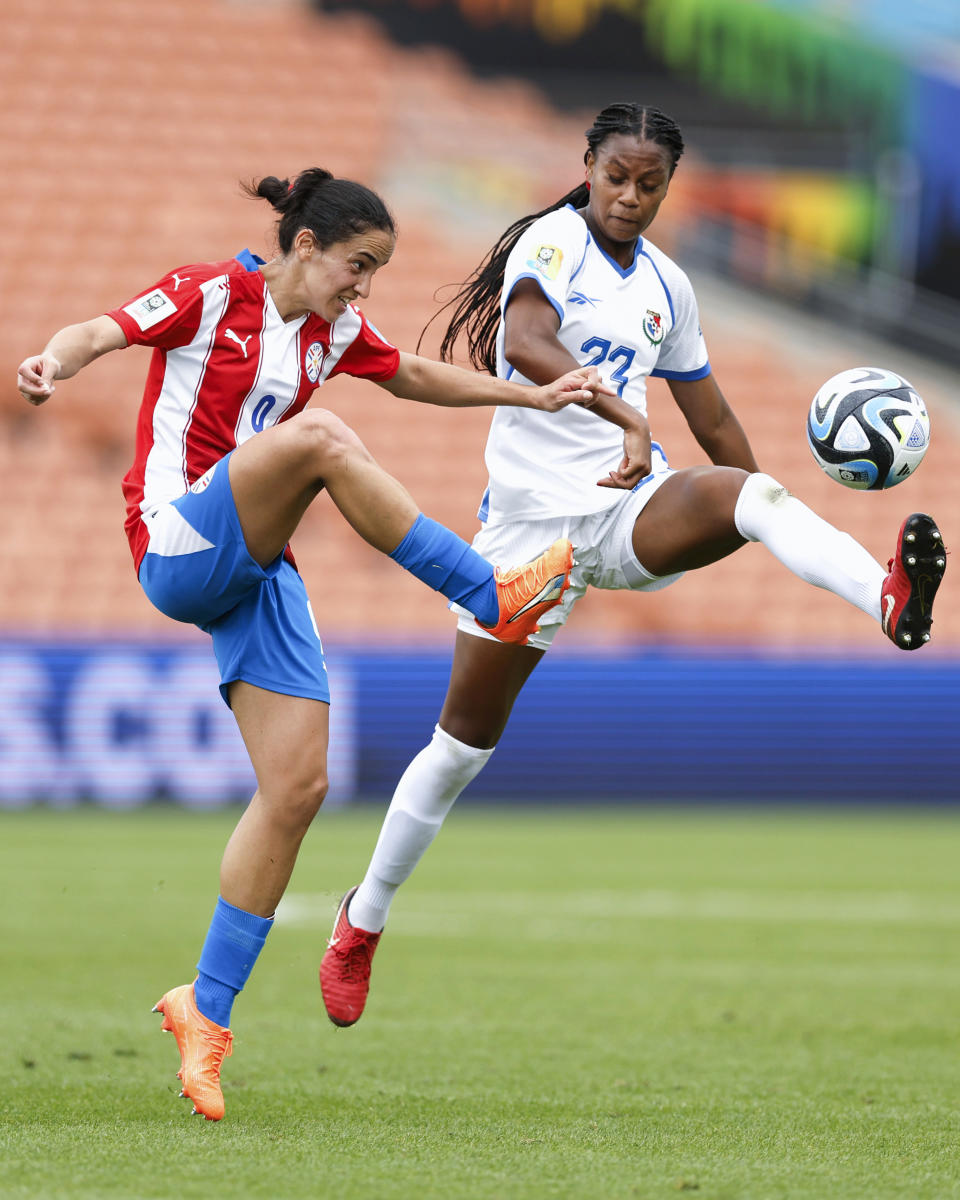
column 122, row 724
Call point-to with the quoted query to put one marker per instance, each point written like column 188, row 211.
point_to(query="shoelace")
column 514, row 589
column 355, row 955
column 219, row 1044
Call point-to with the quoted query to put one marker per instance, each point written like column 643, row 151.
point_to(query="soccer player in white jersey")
column 580, row 284
column 226, row 464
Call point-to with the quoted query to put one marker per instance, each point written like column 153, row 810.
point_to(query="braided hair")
column 477, row 304
column 334, row 210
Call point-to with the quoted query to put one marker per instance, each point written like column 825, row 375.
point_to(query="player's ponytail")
column 332, row 209
column 476, row 306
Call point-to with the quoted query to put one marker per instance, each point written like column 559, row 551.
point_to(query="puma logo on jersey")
column 178, row 279
column 241, row 342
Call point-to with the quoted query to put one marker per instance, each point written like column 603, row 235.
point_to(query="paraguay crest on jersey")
column 313, row 361
column 547, row 260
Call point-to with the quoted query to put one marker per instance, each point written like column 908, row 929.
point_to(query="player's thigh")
column 197, row 566
column 273, row 675
column 277, row 473
column 287, row 739
column 485, row 680
column 690, row 520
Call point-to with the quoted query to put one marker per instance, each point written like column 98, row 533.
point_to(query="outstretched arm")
column 433, row 382
column 67, row 352
column 713, row 422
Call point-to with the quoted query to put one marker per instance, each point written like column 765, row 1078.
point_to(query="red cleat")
column 345, row 968
column 915, row 571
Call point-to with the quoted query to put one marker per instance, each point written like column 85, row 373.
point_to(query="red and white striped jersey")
column 226, row 366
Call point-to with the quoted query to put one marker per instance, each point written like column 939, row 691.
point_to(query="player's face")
column 340, row 274
column 628, row 180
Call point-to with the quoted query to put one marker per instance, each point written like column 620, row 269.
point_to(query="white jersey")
column 628, row 322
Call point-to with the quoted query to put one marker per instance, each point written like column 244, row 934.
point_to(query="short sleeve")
column 369, row 355
column 549, row 252
column 164, row 315
column 683, row 354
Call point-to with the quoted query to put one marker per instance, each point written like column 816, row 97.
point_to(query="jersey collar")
column 623, row 272
column 250, row 261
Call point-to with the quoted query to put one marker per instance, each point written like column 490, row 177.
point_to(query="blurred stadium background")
column 817, row 211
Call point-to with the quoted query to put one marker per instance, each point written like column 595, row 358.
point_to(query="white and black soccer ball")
column 868, row 428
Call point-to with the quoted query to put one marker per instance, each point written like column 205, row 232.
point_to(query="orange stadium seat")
column 122, row 174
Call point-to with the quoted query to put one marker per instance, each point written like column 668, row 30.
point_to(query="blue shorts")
column 198, row 569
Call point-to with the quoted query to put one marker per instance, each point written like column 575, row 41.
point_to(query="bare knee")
column 293, row 803
column 328, row 441
column 720, row 487
column 691, row 521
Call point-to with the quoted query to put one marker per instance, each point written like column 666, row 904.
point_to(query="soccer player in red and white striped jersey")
column 227, row 462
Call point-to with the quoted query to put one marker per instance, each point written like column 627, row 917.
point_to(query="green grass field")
column 741, row 1006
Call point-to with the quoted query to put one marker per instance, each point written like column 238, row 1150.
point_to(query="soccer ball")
column 868, row 428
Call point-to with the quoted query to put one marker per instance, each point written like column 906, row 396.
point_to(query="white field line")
column 555, row 915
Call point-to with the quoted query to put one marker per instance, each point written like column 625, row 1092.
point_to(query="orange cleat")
column 345, row 968
column 915, row 571
column 203, row 1046
column 526, row 593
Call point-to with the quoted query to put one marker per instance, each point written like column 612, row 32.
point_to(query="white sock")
column 425, row 794
column 809, row 546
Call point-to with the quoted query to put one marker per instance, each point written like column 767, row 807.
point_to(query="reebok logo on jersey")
column 241, row 342
column 151, row 309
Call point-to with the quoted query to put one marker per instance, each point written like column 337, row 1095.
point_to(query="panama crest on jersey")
column 313, row 361
column 653, row 327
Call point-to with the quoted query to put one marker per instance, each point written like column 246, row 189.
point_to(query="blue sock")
column 234, row 940
column 443, row 561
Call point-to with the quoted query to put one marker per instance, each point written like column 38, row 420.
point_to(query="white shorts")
column 603, row 555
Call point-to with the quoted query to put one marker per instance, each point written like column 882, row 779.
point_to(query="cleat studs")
column 906, row 639
column 935, row 534
column 910, row 537
column 911, row 560
column 941, row 562
column 925, row 637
